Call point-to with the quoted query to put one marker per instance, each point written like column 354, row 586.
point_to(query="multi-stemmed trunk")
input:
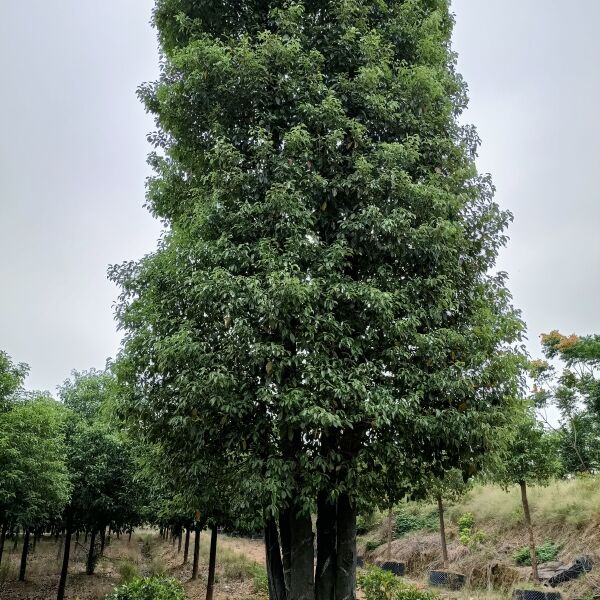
column 532, row 548
column 442, row 531
column 65, row 565
column 302, row 579
column 276, row 579
column 24, row 554
column 212, row 561
column 325, row 575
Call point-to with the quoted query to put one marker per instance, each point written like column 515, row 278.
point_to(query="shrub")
column 544, row 553
column 467, row 534
column 150, row 588
column 378, row 584
column 373, row 545
column 407, row 522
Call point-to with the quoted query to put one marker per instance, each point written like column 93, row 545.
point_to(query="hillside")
column 566, row 517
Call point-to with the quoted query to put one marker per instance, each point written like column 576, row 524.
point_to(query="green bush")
column 407, row 522
column 372, row 545
column 378, row 584
column 149, row 588
column 544, row 553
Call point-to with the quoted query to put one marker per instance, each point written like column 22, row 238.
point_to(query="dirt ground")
column 147, row 554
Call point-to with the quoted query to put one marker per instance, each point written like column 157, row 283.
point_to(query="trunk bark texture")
column 212, row 561
column 532, row 549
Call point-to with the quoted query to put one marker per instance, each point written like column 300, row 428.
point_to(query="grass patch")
column 127, row 570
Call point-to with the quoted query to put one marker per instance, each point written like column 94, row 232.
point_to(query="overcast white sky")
column 72, row 163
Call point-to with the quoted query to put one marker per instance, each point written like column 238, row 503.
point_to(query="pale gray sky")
column 72, row 163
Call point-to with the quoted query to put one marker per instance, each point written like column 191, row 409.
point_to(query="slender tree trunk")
column 186, row 546
column 212, row 561
column 273, row 561
column 345, row 583
column 326, row 549
column 91, row 558
column 85, row 537
column 302, row 576
column 440, row 504
column 129, row 538
column 173, row 539
column 286, row 548
column 179, row 537
column 389, row 532
column 102, row 540
column 2, row 538
column 532, row 549
column 196, row 553
column 24, row 554
column 65, row 565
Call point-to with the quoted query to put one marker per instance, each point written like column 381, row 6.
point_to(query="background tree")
column 34, row 486
column 530, row 457
column 575, row 392
column 322, row 301
column 11, row 379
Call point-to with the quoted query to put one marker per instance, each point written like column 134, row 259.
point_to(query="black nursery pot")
column 536, row 595
column 397, row 568
column 447, row 579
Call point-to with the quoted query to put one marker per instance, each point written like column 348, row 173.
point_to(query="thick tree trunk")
column 326, row 549
column 274, row 564
column 286, row 548
column 212, row 561
column 345, row 583
column 196, row 553
column 186, row 546
column 2, row 538
column 532, row 549
column 302, row 576
column 24, row 554
column 65, row 565
column 440, row 504
column 91, row 559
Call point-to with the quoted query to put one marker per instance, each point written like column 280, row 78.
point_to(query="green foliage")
column 545, row 553
column 299, row 208
column 531, row 454
column 149, row 589
column 34, row 486
column 378, row 584
column 11, row 379
column 405, row 521
column 373, row 545
column 468, row 535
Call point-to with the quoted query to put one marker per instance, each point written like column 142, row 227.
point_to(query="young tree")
column 322, row 303
column 530, row 457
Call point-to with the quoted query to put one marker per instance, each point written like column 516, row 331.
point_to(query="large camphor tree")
column 321, row 310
